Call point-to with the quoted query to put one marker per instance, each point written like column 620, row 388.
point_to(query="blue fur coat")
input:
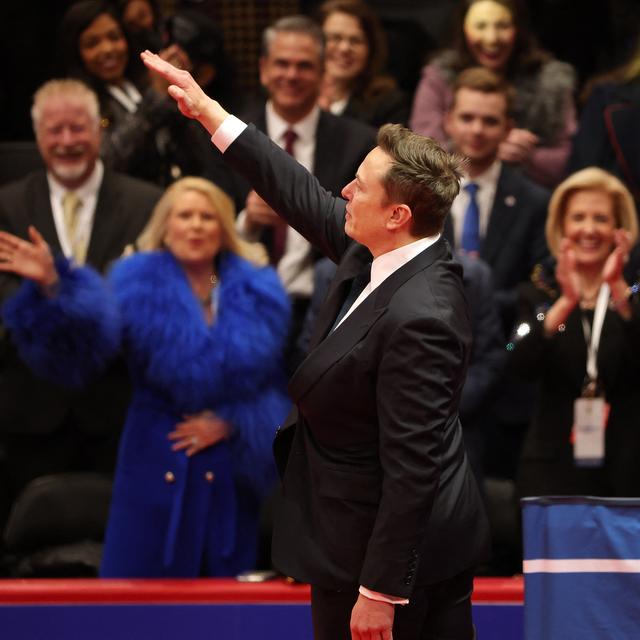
column 172, row 515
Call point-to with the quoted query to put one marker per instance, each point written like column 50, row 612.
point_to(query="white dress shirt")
column 384, row 265
column 88, row 194
column 487, row 183
column 295, row 268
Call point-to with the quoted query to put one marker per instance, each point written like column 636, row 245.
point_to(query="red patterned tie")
column 280, row 230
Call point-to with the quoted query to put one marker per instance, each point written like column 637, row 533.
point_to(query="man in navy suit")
column 379, row 509
column 512, row 208
column 511, row 211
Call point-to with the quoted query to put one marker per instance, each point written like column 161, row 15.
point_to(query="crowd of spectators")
column 176, row 357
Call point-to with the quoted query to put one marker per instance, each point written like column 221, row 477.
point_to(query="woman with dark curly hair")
column 354, row 82
column 143, row 132
column 494, row 34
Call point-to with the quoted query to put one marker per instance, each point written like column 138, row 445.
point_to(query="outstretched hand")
column 192, row 101
column 32, row 260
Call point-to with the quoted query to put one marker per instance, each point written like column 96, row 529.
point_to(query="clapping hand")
column 566, row 272
column 32, row 260
column 612, row 270
column 518, row 146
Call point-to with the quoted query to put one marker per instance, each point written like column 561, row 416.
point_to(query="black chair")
column 56, row 527
column 17, row 159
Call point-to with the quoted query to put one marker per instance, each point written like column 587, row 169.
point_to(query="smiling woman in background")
column 355, row 57
column 143, row 133
column 578, row 336
column 493, row 34
column 202, row 326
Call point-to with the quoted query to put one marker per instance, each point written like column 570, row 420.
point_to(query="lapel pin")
column 510, row 201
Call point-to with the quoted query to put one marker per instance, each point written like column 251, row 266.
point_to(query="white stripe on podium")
column 587, row 565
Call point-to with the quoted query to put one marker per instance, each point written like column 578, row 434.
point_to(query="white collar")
column 88, row 188
column 304, row 128
column 384, row 265
column 488, row 178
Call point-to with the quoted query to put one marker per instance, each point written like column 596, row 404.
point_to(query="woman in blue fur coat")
column 202, row 325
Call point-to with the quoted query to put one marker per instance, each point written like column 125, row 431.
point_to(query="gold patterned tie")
column 71, row 204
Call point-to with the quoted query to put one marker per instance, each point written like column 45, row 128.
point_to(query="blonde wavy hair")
column 590, row 178
column 152, row 236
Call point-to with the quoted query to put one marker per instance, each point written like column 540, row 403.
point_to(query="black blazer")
column 377, row 489
column 514, row 242
column 30, row 405
column 558, row 365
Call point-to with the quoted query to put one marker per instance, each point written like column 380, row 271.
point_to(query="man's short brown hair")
column 485, row 81
column 422, row 175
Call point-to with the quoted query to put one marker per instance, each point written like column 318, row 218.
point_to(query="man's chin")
column 69, row 172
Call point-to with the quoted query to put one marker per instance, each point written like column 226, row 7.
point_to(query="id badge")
column 589, row 422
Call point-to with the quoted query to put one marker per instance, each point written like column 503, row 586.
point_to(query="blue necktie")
column 471, row 225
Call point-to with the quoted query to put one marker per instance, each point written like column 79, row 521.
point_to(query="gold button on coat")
column 209, row 476
column 169, row 477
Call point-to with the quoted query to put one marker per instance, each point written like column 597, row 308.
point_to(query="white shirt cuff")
column 382, row 597
column 227, row 132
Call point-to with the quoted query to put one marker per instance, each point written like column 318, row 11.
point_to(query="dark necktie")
column 280, row 230
column 471, row 225
column 358, row 284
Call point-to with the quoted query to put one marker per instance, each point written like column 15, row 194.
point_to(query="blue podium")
column 581, row 568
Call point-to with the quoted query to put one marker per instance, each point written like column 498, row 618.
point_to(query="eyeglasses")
column 338, row 38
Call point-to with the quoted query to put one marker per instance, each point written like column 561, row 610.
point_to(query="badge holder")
column 590, row 410
column 590, row 415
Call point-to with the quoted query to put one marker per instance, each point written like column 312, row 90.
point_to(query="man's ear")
column 400, row 217
column 262, row 61
column 446, row 123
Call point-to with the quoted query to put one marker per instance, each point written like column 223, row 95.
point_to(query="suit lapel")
column 339, row 342
column 42, row 212
column 350, row 266
column 105, row 223
column 501, row 218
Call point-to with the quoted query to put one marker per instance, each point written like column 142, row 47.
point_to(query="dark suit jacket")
column 30, row 405
column 377, row 488
column 558, row 365
column 609, row 134
column 514, row 242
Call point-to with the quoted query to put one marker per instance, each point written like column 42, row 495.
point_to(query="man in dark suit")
column 505, row 229
column 291, row 68
column 379, row 508
column 89, row 213
column 512, row 209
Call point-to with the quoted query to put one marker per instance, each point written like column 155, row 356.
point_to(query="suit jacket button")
column 169, row 477
column 209, row 476
column 407, row 581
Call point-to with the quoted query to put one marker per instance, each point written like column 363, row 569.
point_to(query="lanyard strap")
column 592, row 334
column 128, row 96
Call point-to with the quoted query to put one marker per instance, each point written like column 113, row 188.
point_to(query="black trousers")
column 440, row 611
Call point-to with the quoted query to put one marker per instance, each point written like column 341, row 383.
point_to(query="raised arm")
column 192, row 101
column 281, row 181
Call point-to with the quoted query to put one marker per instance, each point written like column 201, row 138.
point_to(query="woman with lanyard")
column 578, row 335
column 144, row 134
